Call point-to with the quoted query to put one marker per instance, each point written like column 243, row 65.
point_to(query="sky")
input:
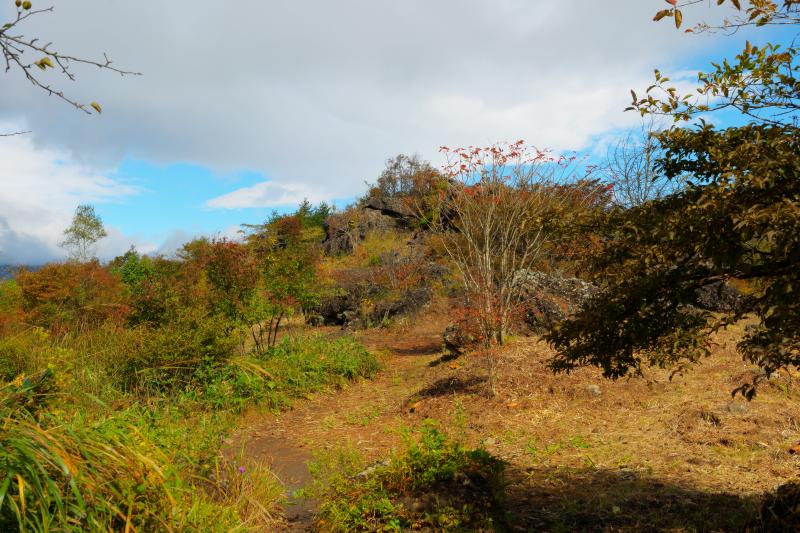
column 250, row 106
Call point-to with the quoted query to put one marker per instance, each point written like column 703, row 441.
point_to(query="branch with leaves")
column 736, row 218
column 762, row 82
column 755, row 13
column 17, row 48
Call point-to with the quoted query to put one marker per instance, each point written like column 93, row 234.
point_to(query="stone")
column 549, row 298
column 593, row 390
column 721, row 297
column 737, row 408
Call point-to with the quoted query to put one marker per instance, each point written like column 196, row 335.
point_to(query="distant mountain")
column 7, row 271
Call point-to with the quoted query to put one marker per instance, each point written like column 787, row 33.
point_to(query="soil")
column 649, row 453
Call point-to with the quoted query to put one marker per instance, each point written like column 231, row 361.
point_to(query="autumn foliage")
column 72, row 297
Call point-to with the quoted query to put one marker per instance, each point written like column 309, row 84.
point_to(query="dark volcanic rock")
column 722, row 298
column 409, row 302
column 344, row 230
column 456, row 340
column 345, row 309
column 549, row 298
column 391, row 207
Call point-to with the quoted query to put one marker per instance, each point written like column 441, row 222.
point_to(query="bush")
column 72, row 297
column 436, row 483
column 176, row 356
column 306, row 364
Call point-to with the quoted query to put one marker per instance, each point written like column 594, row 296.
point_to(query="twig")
column 14, row 47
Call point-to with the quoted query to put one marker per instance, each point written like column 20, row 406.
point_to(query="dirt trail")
column 362, row 415
column 582, row 453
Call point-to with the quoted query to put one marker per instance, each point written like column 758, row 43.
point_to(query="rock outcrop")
column 722, row 298
column 549, row 298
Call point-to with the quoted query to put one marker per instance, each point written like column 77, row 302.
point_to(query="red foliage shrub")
column 72, row 297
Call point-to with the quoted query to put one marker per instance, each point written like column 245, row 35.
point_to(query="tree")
column 502, row 215
column 15, row 46
column 401, row 176
column 630, row 166
column 286, row 250
column 737, row 218
column 82, row 235
column 760, row 84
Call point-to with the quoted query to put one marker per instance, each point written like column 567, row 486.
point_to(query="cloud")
column 267, row 194
column 320, row 93
column 39, row 190
column 173, row 242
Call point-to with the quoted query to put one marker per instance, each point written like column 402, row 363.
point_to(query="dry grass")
column 584, row 453
column 640, row 453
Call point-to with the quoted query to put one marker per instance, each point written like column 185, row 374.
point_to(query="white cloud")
column 321, row 93
column 315, row 94
column 267, row 194
column 39, row 190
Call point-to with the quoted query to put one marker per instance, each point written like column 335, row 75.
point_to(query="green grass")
column 83, row 451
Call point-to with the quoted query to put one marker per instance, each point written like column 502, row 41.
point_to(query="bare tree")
column 19, row 52
column 503, row 211
column 631, row 167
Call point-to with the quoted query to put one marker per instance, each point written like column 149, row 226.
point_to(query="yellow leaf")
column 661, row 14
column 96, row 107
column 21, row 489
column 678, row 18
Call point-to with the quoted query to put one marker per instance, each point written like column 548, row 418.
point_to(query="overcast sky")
column 253, row 105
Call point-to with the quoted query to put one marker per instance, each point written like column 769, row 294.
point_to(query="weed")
column 435, row 483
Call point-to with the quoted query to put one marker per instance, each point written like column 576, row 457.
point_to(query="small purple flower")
column 241, row 470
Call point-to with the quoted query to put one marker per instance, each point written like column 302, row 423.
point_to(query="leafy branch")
column 756, row 13
column 762, row 83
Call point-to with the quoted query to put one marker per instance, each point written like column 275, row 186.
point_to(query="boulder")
column 392, row 207
column 549, row 298
column 344, row 230
column 411, row 301
column 456, row 340
column 722, row 298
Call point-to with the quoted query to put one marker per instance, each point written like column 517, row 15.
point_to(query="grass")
column 81, row 451
column 435, row 483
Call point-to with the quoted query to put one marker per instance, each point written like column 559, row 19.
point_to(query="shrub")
column 435, row 484
column 176, row 355
column 72, row 297
column 10, row 304
column 22, row 352
column 305, row 364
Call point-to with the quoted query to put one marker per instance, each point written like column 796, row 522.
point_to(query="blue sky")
column 174, row 196
column 308, row 99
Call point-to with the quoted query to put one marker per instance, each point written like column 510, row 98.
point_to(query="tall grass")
column 56, row 476
column 83, row 450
